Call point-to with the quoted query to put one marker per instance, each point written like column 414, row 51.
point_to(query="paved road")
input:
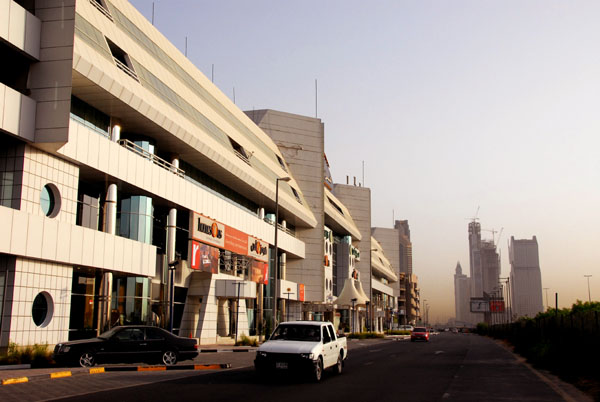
column 460, row 367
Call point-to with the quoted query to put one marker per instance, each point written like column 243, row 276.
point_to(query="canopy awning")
column 350, row 292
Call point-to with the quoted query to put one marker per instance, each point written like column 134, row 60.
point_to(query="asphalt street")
column 461, row 367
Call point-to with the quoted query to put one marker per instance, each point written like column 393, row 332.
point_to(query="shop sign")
column 208, row 230
column 204, row 257
column 260, row 272
column 497, row 306
column 301, row 291
column 236, row 241
column 258, row 249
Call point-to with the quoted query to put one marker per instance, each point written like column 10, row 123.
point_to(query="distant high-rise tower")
column 525, row 278
column 475, row 259
column 462, row 295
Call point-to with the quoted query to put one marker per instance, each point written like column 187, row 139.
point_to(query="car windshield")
column 308, row 333
column 109, row 333
column 420, row 330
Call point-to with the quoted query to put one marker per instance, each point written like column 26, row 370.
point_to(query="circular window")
column 50, row 200
column 43, row 309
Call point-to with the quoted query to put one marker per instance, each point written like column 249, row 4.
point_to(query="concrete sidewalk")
column 210, row 357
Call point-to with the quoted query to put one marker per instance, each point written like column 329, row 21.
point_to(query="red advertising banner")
column 204, row 257
column 497, row 306
column 260, row 272
column 236, row 241
column 301, row 291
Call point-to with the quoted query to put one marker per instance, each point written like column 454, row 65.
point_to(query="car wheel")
column 169, row 358
column 339, row 365
column 87, row 359
column 318, row 372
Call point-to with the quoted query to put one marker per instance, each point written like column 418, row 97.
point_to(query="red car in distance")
column 419, row 334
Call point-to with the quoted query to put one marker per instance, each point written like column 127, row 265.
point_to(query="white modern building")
column 525, row 278
column 127, row 176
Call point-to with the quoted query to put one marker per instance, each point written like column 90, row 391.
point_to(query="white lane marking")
column 439, row 352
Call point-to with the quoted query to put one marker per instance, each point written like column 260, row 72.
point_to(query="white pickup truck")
column 305, row 346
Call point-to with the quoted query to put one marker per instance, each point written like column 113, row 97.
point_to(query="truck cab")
column 302, row 346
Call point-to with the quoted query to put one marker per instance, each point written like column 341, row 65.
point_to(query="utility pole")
column 547, row 306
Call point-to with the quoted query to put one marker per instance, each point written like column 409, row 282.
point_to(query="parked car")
column 406, row 328
column 131, row 343
column 419, row 334
column 305, row 346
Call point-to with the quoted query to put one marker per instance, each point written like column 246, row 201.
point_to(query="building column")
column 110, row 227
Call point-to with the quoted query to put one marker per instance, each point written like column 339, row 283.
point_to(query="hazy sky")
column 451, row 105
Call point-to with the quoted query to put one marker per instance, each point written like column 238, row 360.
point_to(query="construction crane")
column 493, row 231
column 474, row 218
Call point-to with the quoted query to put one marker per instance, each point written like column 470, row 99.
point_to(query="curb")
column 100, row 370
column 226, row 350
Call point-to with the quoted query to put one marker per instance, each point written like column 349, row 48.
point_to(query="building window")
column 136, row 221
column 281, row 163
column 296, row 195
column 90, row 117
column 122, row 60
column 50, row 200
column 42, row 310
column 239, row 151
column 101, row 6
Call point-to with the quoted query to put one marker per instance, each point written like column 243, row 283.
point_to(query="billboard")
column 480, row 305
column 497, row 306
column 204, row 257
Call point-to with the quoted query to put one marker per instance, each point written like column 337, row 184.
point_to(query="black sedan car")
column 131, row 343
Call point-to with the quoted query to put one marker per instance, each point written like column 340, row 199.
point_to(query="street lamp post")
column 276, row 259
column 547, row 306
column 589, row 294
column 237, row 310
column 352, row 320
column 172, row 265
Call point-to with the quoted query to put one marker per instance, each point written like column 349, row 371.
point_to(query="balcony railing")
column 125, row 68
column 241, row 156
column 280, row 227
column 133, row 147
column 101, row 9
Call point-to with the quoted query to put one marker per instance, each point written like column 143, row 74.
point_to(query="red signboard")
column 209, row 231
column 260, row 272
column 301, row 291
column 497, row 306
column 204, row 257
column 236, row 241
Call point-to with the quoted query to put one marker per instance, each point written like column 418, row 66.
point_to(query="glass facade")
column 136, row 220
column 90, row 116
column 130, row 302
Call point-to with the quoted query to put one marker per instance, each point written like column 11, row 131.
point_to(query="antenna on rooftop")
column 316, row 101
column 234, row 95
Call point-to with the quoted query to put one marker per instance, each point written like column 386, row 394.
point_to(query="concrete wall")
column 390, row 242
column 301, row 141
column 358, row 202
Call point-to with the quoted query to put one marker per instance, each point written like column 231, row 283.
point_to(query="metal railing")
column 125, row 68
column 280, row 227
column 101, row 9
column 133, row 147
column 241, row 156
